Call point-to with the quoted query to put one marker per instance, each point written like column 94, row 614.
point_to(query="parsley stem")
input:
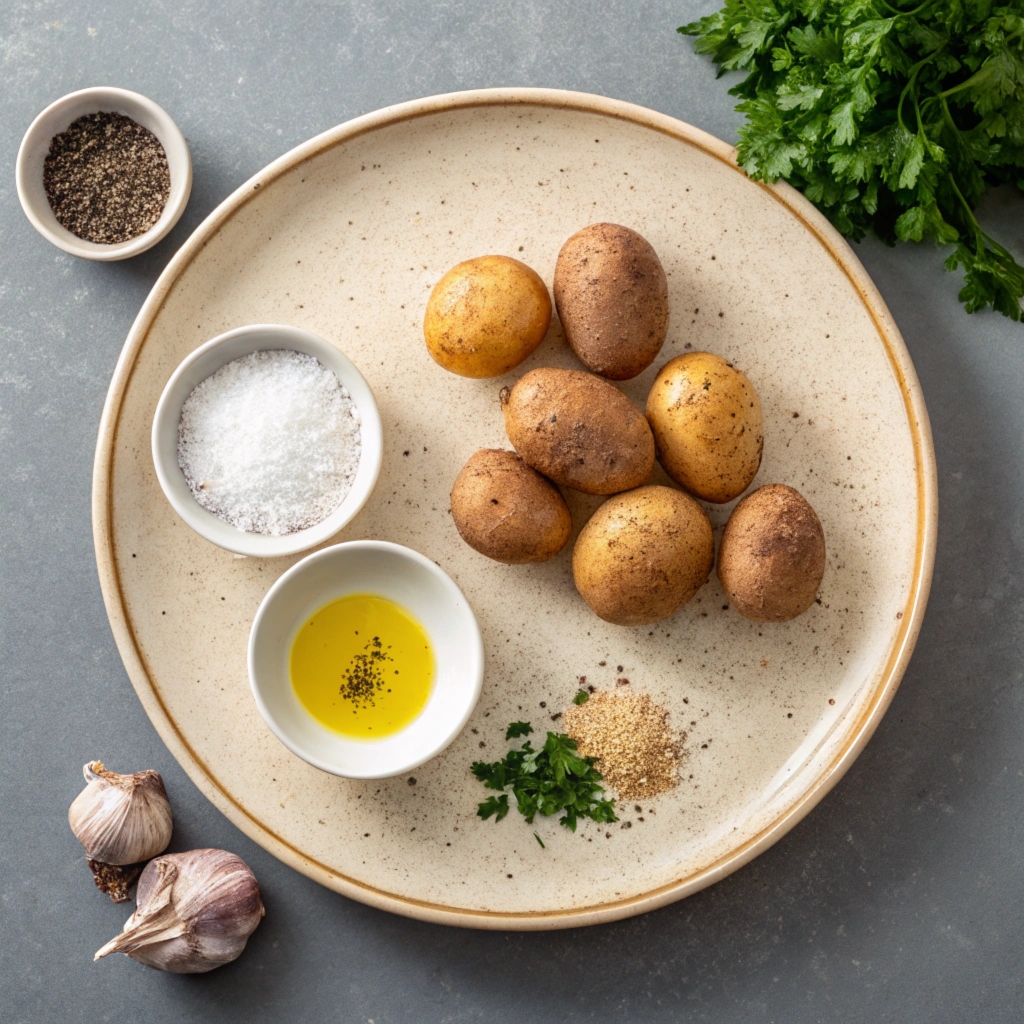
column 963, row 85
column 972, row 221
column 908, row 14
column 911, row 84
column 982, row 239
column 956, row 88
column 932, row 148
column 949, row 117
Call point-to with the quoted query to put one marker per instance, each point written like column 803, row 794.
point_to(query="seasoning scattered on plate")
column 106, row 178
column 638, row 752
column 270, row 442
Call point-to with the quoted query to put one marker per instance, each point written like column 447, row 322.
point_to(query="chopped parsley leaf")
column 552, row 780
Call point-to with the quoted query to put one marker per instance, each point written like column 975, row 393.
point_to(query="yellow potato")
column 507, row 511
column 485, row 316
column 579, row 430
column 612, row 298
column 643, row 555
column 772, row 557
column 706, row 420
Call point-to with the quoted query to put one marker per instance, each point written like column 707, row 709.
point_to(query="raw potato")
column 579, row 430
column 612, row 298
column 643, row 555
column 507, row 511
column 706, row 419
column 485, row 316
column 772, row 557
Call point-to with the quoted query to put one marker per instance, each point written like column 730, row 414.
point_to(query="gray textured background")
column 898, row 899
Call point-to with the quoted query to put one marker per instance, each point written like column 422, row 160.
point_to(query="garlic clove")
column 121, row 819
column 195, row 911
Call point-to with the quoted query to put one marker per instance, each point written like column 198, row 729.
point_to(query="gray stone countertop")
column 898, row 899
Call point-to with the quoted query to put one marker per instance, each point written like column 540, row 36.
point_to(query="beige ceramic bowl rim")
column 178, row 157
column 168, row 414
column 902, row 367
column 469, row 636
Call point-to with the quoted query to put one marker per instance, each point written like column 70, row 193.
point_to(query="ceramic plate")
column 345, row 236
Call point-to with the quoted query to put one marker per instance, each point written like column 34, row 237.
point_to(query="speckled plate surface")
column 345, row 236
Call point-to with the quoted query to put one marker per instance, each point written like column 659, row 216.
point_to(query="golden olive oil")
column 362, row 666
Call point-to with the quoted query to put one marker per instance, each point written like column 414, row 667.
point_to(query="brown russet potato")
column 485, row 316
column 612, row 298
column 643, row 555
column 507, row 511
column 707, row 425
column 772, row 557
column 579, row 430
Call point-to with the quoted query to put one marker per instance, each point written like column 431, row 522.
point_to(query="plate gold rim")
column 886, row 683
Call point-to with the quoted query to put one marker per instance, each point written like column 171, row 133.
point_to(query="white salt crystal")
column 270, row 442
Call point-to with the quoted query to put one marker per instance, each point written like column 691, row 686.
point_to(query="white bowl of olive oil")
column 365, row 659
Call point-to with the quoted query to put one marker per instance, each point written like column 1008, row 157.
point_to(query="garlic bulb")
column 194, row 912
column 121, row 819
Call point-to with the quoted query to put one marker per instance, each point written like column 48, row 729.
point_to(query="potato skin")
column 643, row 555
column 579, row 430
column 507, row 511
column 707, row 425
column 612, row 298
column 485, row 316
column 772, row 557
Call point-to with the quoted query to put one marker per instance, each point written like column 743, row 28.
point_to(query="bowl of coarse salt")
column 267, row 440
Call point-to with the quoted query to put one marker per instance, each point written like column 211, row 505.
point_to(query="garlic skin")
column 195, row 911
column 121, row 819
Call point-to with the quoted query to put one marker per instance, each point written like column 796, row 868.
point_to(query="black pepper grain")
column 106, row 178
column 364, row 677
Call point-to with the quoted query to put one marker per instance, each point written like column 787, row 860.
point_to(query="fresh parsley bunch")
column 890, row 117
column 546, row 781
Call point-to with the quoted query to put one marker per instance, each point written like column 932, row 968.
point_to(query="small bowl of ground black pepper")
column 104, row 173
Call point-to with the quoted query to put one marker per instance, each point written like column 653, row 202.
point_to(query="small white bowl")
column 55, row 119
column 417, row 584
column 209, row 358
